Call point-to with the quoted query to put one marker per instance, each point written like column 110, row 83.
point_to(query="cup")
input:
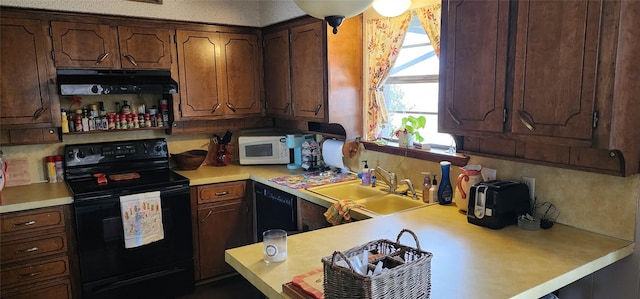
column 274, row 245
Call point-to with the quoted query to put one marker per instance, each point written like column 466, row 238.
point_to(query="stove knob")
column 158, row 148
column 82, row 154
column 71, row 155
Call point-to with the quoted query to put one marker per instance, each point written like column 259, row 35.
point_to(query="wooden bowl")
column 190, row 160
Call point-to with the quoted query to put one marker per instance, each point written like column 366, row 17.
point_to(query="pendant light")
column 391, row 8
column 333, row 11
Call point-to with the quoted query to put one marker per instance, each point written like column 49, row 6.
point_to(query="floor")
column 234, row 287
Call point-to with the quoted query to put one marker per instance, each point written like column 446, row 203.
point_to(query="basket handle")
column 344, row 257
column 414, row 237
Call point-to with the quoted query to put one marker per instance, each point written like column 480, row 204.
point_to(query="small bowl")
column 190, row 160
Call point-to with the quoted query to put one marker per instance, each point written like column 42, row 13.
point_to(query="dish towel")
column 141, row 218
column 338, row 213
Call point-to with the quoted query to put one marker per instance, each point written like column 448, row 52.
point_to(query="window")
column 412, row 86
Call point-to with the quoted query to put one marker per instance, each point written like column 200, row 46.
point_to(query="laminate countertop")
column 468, row 261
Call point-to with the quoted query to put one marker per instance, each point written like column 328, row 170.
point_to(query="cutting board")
column 17, row 172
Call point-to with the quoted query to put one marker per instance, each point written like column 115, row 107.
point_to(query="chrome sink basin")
column 370, row 199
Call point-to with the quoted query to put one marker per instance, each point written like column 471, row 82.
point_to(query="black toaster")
column 496, row 204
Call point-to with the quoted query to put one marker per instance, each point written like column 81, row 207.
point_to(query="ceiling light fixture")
column 333, row 11
column 391, row 8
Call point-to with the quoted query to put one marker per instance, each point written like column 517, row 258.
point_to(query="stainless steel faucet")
column 411, row 189
column 388, row 177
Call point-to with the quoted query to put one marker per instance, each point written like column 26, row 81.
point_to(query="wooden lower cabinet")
column 222, row 219
column 35, row 261
column 311, row 215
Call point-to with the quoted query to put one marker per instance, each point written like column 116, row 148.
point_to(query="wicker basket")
column 409, row 276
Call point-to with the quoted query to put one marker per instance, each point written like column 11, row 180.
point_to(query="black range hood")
column 100, row 82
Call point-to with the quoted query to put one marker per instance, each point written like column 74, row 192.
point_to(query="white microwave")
column 263, row 150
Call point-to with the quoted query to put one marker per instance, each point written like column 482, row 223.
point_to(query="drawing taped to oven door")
column 141, row 218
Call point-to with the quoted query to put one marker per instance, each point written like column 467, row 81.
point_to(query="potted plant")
column 408, row 130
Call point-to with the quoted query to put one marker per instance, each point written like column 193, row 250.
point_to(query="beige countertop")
column 468, row 261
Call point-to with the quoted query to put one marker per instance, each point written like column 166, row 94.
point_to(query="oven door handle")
column 137, row 279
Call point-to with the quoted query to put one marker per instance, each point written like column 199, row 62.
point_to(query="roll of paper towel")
column 332, row 153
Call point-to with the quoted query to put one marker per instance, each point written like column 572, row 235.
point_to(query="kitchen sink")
column 371, row 199
column 347, row 190
column 389, row 203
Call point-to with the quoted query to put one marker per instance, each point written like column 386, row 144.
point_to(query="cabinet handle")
column 131, row 59
column 215, row 107
column 317, row 109
column 101, row 58
column 453, row 116
column 30, row 275
column 28, row 223
column 208, row 214
column 233, row 108
column 521, row 116
column 32, row 249
column 223, row 193
column 37, row 114
column 286, row 108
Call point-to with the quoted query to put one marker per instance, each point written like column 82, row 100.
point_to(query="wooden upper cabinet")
column 308, row 70
column 555, row 68
column 474, row 52
column 146, row 48
column 25, row 71
column 97, row 46
column 241, row 83
column 81, row 45
column 277, row 76
column 219, row 74
column 200, row 70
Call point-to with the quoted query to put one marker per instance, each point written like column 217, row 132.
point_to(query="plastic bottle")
column 373, row 180
column 445, row 190
column 426, row 186
column 51, row 169
column 433, row 190
column 59, row 169
column 366, row 176
column 65, row 121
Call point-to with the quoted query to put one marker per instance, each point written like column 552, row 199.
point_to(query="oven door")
column 109, row 270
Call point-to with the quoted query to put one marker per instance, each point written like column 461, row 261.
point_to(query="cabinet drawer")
column 32, row 220
column 36, row 271
column 58, row 289
column 33, row 247
column 222, row 191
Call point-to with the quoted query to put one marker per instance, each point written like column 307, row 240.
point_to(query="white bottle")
column 433, row 191
column 366, row 176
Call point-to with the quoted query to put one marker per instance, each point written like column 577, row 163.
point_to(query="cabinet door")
column 474, row 53
column 241, row 85
column 277, row 76
column 145, row 48
column 24, row 73
column 221, row 226
column 200, row 69
column 80, row 45
column 308, row 70
column 555, row 68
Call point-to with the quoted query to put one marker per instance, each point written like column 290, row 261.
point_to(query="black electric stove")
column 98, row 174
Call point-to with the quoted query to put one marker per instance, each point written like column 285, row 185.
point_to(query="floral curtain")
column 429, row 17
column 384, row 40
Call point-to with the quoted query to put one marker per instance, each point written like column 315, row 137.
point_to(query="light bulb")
column 391, row 8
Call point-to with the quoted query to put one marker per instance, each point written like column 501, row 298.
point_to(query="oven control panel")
column 112, row 152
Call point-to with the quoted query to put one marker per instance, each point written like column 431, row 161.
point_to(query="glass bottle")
column 126, row 109
column 445, row 190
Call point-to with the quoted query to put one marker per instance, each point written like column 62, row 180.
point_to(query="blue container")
column 445, row 190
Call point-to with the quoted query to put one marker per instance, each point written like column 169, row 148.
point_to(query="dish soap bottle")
column 445, row 190
column 366, row 176
column 426, row 186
